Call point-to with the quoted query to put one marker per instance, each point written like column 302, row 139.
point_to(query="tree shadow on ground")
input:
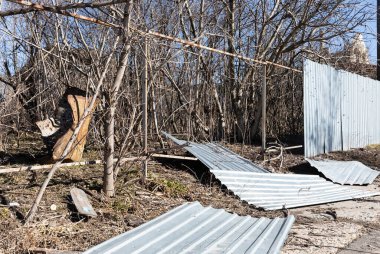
column 22, row 158
column 305, row 169
column 195, row 168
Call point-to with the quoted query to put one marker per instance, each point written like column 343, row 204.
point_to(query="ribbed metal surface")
column 267, row 190
column 277, row 191
column 345, row 172
column 215, row 156
column 192, row 228
column 340, row 110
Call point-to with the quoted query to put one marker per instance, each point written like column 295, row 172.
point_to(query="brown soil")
column 169, row 184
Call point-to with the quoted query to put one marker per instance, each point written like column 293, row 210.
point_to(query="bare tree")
column 195, row 91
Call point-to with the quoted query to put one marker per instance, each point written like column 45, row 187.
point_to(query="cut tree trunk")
column 56, row 132
column 77, row 104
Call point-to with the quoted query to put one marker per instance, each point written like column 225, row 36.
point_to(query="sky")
column 368, row 31
column 369, row 35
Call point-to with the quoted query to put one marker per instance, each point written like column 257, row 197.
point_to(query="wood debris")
column 82, row 203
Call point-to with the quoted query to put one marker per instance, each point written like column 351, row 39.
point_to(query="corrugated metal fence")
column 341, row 110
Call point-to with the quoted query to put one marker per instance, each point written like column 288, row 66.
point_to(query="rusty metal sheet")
column 82, row 203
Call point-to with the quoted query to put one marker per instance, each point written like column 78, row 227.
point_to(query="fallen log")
column 176, row 157
column 69, row 164
column 51, row 251
column 92, row 162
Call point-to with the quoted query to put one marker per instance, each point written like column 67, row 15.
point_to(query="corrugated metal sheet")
column 276, row 191
column 215, row 156
column 345, row 172
column 192, row 228
column 268, row 190
column 340, row 110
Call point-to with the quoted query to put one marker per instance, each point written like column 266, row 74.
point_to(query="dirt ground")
column 369, row 242
column 169, row 184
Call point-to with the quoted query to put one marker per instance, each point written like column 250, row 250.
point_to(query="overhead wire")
column 57, row 9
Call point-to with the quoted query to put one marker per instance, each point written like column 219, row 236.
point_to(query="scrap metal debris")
column 278, row 191
column 345, row 172
column 215, row 156
column 192, row 228
column 268, row 190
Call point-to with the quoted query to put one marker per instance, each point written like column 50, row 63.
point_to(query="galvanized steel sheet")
column 276, row 191
column 345, row 172
column 192, row 228
column 215, row 156
column 340, row 110
column 268, row 190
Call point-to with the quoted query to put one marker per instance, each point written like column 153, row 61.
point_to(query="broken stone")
column 133, row 220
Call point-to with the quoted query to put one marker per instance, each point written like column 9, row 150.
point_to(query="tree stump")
column 57, row 131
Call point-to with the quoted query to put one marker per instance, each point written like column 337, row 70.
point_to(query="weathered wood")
column 93, row 162
column 264, row 110
column 293, row 147
column 47, row 127
column 51, row 251
column 78, row 104
column 168, row 156
column 82, row 203
column 69, row 164
column 145, row 110
column 70, row 143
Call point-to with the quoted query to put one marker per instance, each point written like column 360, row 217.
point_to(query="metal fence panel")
column 192, row 228
column 345, row 172
column 268, row 190
column 278, row 191
column 340, row 110
column 215, row 156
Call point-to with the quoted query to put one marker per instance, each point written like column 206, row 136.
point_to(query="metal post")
column 264, row 109
column 378, row 40
column 145, row 110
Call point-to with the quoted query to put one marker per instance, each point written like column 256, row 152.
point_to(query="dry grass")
column 169, row 184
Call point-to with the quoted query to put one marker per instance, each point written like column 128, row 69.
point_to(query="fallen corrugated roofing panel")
column 215, row 156
column 277, row 191
column 267, row 190
column 192, row 228
column 345, row 172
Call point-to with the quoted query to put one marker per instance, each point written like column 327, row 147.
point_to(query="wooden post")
column 145, row 111
column 264, row 109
